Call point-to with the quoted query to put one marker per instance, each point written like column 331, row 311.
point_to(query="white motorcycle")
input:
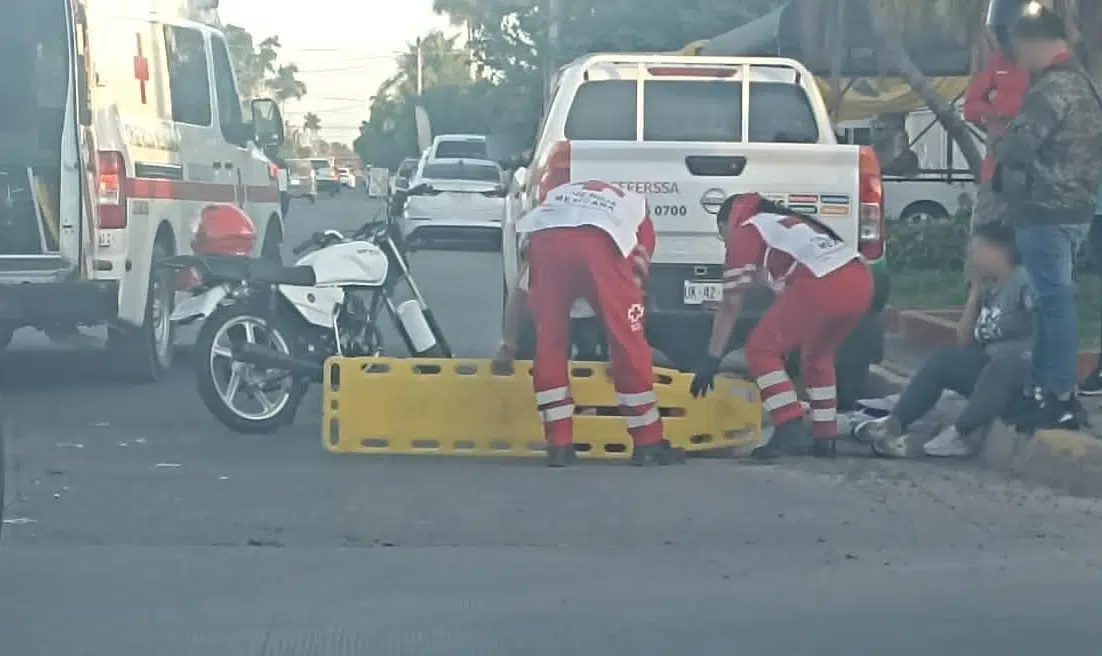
column 268, row 328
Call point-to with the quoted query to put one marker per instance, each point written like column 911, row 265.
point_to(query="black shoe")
column 1050, row 412
column 1092, row 384
column 1023, row 409
column 825, row 447
column 660, row 454
column 560, row 456
column 791, row 438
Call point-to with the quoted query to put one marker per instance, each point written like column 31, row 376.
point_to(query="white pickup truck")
column 687, row 132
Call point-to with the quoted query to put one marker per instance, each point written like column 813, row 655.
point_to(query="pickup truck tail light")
column 557, row 170
column 870, row 220
column 111, row 189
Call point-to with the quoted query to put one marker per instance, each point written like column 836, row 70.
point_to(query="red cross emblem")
column 597, row 185
column 141, row 69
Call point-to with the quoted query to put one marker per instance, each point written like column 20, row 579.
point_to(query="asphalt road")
column 139, row 527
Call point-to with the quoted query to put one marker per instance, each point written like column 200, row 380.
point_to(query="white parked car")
column 347, row 178
column 455, row 201
column 326, row 176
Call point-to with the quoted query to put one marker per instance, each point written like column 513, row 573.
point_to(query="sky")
column 344, row 52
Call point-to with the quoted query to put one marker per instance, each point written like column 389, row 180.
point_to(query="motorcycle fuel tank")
column 354, row 263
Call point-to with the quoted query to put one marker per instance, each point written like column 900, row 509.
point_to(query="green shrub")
column 941, row 246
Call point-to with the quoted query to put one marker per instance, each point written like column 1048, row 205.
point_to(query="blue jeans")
column 1048, row 254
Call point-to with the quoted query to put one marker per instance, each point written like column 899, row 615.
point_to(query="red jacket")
column 995, row 97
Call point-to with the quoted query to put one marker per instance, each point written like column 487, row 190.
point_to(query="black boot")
column 791, row 438
column 561, row 456
column 659, row 454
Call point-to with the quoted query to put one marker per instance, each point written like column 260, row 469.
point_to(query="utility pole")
column 551, row 60
column 420, row 68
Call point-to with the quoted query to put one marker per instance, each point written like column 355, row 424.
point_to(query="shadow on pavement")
column 34, row 370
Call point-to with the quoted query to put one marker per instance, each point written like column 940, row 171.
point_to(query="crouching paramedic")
column 594, row 241
column 823, row 289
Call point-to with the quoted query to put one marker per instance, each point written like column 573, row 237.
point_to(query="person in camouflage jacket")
column 1048, row 169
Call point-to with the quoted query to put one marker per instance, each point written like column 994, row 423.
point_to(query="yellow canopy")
column 869, row 97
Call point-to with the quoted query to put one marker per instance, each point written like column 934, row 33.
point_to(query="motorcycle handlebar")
column 308, row 244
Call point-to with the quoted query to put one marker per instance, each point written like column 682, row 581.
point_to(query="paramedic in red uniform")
column 594, row 241
column 823, row 288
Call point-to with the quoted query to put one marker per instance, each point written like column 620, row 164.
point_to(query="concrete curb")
column 1070, row 461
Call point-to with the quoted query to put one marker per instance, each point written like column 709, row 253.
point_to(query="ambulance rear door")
column 45, row 112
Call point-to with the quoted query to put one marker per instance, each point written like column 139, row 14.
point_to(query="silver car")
column 303, row 181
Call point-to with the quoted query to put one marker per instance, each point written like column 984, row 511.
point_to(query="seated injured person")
column 989, row 365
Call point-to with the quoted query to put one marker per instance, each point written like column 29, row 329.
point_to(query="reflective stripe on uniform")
column 636, row 399
column 770, row 379
column 553, row 395
column 735, row 272
column 822, row 393
column 777, row 401
column 646, row 419
column 558, row 413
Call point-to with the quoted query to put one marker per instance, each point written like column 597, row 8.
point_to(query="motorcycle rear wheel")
column 220, row 392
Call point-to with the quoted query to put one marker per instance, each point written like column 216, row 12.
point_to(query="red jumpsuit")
column 812, row 314
column 568, row 263
column 995, row 97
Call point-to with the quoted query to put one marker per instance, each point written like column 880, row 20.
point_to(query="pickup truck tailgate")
column 686, row 182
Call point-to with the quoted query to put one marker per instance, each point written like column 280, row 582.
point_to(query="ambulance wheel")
column 145, row 353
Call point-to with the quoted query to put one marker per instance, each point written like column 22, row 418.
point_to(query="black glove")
column 704, row 377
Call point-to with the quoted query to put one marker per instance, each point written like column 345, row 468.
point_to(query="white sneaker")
column 947, row 444
column 871, row 430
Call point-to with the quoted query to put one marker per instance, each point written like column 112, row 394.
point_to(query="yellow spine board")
column 459, row 407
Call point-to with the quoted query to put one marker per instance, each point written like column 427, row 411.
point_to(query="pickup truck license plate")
column 699, row 293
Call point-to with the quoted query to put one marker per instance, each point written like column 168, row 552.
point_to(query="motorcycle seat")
column 274, row 273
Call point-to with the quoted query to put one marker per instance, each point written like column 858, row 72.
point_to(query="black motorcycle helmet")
column 1001, row 18
column 1039, row 23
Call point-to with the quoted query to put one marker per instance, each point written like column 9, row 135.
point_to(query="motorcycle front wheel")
column 245, row 398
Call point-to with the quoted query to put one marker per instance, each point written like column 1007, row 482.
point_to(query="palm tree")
column 285, row 85
column 311, row 122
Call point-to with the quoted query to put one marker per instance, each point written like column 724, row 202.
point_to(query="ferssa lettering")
column 652, row 188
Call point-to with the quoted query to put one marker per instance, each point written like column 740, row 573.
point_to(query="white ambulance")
column 121, row 120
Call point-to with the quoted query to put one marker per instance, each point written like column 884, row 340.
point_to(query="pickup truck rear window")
column 476, row 172
column 449, row 149
column 691, row 110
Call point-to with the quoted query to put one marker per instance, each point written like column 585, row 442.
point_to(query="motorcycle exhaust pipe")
column 262, row 356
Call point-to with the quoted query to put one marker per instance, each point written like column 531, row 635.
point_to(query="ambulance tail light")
column 111, row 189
column 557, row 171
column 870, row 220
